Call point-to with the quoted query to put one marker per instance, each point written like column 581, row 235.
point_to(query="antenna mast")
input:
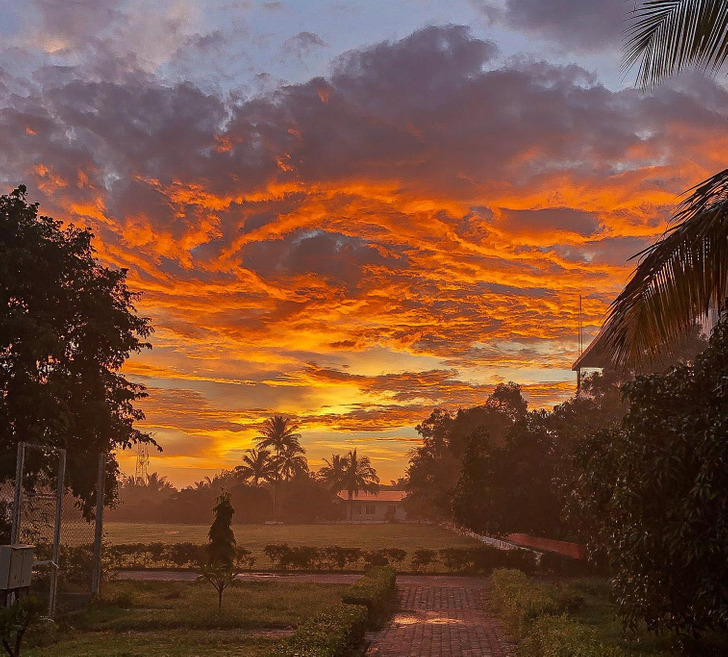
column 581, row 337
column 141, row 472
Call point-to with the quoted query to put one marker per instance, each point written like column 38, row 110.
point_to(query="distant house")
column 384, row 505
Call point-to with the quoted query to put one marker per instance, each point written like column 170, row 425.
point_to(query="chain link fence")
column 36, row 509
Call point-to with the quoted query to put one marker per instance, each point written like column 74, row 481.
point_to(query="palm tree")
column 359, row 474
column 332, row 474
column 668, row 36
column 258, row 466
column 685, row 273
column 280, row 434
column 290, row 463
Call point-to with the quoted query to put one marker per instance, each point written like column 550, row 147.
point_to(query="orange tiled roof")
column 381, row 496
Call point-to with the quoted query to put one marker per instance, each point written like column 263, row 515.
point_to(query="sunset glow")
column 353, row 230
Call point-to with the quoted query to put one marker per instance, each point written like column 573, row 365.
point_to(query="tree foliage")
column 67, row 324
column 668, row 509
column 684, row 274
column 358, row 475
column 666, row 36
column 219, row 569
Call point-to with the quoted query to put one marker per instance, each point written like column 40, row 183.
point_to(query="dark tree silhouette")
column 359, row 474
column 219, row 568
column 258, row 466
column 281, row 435
column 683, row 274
column 67, row 324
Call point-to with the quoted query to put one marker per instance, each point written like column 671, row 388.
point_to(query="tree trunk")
column 351, row 506
column 219, row 599
column 275, row 500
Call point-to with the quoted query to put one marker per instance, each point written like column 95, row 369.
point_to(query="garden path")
column 440, row 617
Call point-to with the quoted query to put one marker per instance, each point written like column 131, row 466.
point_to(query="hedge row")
column 334, row 633
column 166, row 555
column 377, row 591
column 480, row 559
column 339, row 632
column 536, row 615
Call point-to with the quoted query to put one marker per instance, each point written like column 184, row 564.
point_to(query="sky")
column 348, row 212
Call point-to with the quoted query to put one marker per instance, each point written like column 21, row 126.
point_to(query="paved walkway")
column 439, row 615
column 445, row 618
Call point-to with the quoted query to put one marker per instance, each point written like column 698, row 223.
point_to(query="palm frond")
column 678, row 279
column 667, row 36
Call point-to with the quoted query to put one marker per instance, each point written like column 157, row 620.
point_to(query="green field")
column 409, row 537
column 255, row 537
column 176, row 619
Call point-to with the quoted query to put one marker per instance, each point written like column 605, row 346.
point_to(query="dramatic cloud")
column 356, row 249
column 585, row 25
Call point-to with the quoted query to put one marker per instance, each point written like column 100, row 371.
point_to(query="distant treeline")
column 303, row 499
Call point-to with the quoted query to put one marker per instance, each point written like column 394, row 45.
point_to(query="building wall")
column 372, row 510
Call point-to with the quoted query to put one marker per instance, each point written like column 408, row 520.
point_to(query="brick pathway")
column 441, row 619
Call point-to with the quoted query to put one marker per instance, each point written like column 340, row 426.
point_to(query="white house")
column 382, row 506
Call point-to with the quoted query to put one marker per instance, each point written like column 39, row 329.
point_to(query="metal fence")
column 41, row 511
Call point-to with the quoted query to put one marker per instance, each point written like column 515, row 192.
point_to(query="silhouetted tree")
column 281, row 435
column 683, row 274
column 219, row 569
column 359, row 474
column 257, row 467
column 666, row 495
column 332, row 474
column 67, row 325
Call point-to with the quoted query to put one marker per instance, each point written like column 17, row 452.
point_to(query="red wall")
column 573, row 550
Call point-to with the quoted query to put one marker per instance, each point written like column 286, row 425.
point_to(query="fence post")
column 18, row 499
column 57, row 532
column 98, row 527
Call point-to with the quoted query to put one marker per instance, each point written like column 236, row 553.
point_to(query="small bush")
column 302, row 557
column 560, row 636
column 336, row 633
column 421, row 559
column 377, row 591
column 519, row 602
column 338, row 558
column 558, row 564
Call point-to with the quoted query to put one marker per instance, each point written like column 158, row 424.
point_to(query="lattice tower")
column 141, row 472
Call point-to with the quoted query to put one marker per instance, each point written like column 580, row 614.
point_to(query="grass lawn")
column 167, row 619
column 600, row 613
column 409, row 537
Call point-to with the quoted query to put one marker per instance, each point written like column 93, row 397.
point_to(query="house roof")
column 594, row 355
column 381, row 496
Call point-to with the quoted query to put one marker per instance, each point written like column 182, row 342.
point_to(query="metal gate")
column 68, row 546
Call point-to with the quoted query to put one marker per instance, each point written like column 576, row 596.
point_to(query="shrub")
column 338, row 558
column 485, row 558
column 519, row 602
column 377, row 591
column 560, row 636
column 279, row 554
column 335, row 633
column 558, row 564
column 302, row 557
column 421, row 559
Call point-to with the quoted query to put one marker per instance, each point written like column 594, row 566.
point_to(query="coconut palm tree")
column 359, row 474
column 279, row 434
column 685, row 273
column 290, row 463
column 258, row 466
column 332, row 474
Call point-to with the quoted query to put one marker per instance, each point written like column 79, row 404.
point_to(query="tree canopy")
column 67, row 325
